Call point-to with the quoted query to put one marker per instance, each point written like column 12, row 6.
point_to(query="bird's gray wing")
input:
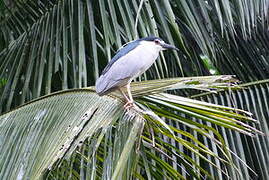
column 120, row 53
column 119, row 73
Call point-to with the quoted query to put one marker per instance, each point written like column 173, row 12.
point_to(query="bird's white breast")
column 142, row 57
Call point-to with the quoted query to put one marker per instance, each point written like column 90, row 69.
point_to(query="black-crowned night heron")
column 133, row 59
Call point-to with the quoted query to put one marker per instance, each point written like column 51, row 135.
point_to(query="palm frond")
column 36, row 135
column 76, row 132
column 253, row 97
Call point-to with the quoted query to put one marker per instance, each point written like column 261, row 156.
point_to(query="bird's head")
column 158, row 43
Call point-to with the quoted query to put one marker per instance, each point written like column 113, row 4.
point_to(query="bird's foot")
column 129, row 105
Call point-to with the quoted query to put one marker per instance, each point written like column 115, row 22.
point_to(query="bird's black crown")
column 150, row 38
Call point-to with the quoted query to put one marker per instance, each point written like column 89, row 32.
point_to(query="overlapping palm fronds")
column 51, row 45
column 109, row 143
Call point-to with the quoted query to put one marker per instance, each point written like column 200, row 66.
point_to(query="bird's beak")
column 168, row 46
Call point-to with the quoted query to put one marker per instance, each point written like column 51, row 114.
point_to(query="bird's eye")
column 157, row 41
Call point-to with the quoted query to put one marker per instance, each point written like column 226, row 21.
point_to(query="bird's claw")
column 129, row 105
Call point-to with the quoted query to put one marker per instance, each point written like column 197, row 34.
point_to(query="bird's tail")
column 100, row 86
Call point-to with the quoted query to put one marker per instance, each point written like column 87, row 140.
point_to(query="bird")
column 130, row 61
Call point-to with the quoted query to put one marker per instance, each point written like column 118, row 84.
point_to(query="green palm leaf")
column 254, row 98
column 114, row 144
column 36, row 135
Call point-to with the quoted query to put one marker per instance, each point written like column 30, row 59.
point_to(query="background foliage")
column 50, row 45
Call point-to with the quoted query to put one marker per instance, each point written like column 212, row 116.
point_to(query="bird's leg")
column 130, row 102
column 124, row 95
column 128, row 87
